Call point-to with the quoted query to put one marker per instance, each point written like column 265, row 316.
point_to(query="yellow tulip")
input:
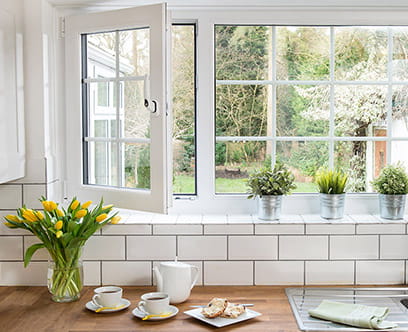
column 9, row 225
column 59, row 234
column 49, row 205
column 106, row 207
column 80, row 213
column 74, row 204
column 58, row 224
column 13, row 218
column 60, row 213
column 39, row 215
column 101, row 217
column 86, row 204
column 115, row 220
column 29, row 215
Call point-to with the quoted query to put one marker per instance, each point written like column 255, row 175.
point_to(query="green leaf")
column 30, row 252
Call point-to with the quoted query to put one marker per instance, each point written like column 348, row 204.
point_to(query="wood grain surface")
column 24, row 309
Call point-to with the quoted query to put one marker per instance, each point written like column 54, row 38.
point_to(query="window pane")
column 400, row 111
column 101, row 54
column 359, row 161
column 304, row 159
column 242, row 52
column 135, row 116
column 303, row 53
column 134, row 48
column 137, row 166
column 359, row 109
column 400, row 54
column 102, row 163
column 361, row 53
column 241, row 110
column 234, row 161
column 302, row 110
column 183, row 73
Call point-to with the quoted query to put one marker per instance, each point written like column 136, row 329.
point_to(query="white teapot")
column 175, row 279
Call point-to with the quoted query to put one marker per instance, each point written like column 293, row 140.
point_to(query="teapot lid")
column 176, row 264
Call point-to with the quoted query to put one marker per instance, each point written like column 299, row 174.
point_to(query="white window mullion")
column 274, row 111
column 389, row 96
column 332, row 100
column 117, row 100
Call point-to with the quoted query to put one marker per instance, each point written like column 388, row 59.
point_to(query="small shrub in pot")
column 392, row 186
column 269, row 185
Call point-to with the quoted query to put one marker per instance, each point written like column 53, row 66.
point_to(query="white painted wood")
column 154, row 17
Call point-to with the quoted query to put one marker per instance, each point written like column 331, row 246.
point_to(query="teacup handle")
column 95, row 302
column 141, row 305
column 195, row 277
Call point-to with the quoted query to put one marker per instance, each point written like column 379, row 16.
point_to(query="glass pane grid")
column 367, row 114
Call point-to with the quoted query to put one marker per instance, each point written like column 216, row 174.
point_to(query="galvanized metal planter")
column 269, row 207
column 392, row 206
column 332, row 205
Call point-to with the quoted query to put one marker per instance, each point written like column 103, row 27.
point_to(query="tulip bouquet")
column 63, row 232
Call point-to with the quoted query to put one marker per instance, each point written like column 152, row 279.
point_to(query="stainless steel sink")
column 303, row 299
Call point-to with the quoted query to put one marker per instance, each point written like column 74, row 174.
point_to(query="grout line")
column 304, row 273
column 355, row 272
column 228, row 256
column 100, row 272
column 253, row 273
column 22, row 194
column 328, row 247
column 126, row 253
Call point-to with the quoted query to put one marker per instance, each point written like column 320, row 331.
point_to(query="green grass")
column 184, row 184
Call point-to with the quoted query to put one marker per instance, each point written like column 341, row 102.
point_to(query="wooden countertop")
column 24, row 309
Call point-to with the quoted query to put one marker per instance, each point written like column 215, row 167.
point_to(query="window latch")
column 150, row 104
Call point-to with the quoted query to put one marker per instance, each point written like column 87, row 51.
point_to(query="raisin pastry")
column 215, row 308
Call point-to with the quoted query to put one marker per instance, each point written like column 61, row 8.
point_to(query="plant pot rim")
column 392, row 194
column 332, row 194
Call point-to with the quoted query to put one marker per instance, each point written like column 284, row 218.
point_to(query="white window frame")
column 206, row 201
column 154, row 17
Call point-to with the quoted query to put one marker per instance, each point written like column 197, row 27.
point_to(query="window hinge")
column 62, row 27
column 64, row 190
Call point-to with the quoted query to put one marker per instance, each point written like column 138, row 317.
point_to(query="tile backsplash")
column 229, row 250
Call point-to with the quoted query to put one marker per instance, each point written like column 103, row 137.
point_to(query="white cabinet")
column 12, row 150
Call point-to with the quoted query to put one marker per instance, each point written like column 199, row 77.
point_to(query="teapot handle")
column 195, row 277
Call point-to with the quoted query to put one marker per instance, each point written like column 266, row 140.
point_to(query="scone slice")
column 233, row 310
column 215, row 308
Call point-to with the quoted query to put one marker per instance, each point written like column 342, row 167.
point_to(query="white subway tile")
column 11, row 248
column 279, row 229
column 40, row 254
column 364, row 218
column 330, row 272
column 202, row 247
column 178, row 229
column 125, row 229
column 394, row 246
column 164, row 219
column 330, row 228
column 228, row 273
column 240, row 218
column 381, row 228
column 15, row 274
column 127, row 273
column 279, row 273
column 104, row 247
column 11, row 196
column 303, row 247
column 316, row 218
column 252, row 247
column 354, row 247
column 198, row 264
column 92, row 273
column 139, row 218
column 189, row 219
column 151, row 247
column 215, row 219
column 380, row 272
column 228, row 229
column 31, row 195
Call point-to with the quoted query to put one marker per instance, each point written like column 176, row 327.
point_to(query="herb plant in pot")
column 269, row 185
column 331, row 186
column 392, row 186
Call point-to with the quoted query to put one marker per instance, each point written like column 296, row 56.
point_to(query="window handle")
column 150, row 104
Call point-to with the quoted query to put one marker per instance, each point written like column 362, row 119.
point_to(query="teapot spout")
column 159, row 279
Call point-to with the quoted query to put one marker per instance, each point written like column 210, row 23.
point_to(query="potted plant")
column 331, row 186
column 392, row 186
column 269, row 185
column 63, row 232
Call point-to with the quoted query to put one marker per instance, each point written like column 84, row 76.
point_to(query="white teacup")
column 154, row 303
column 107, row 296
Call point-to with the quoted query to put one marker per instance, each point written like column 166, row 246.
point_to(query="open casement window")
column 116, row 108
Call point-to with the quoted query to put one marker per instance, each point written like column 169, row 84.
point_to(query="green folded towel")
column 353, row 314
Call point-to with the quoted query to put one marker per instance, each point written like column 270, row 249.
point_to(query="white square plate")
column 220, row 321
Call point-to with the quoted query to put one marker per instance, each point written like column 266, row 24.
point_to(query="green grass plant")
column 331, row 182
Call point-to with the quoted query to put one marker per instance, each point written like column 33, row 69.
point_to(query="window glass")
column 310, row 97
column 184, row 105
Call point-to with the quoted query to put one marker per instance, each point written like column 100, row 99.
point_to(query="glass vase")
column 65, row 275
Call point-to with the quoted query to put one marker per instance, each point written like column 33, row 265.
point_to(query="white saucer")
column 140, row 314
column 91, row 306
